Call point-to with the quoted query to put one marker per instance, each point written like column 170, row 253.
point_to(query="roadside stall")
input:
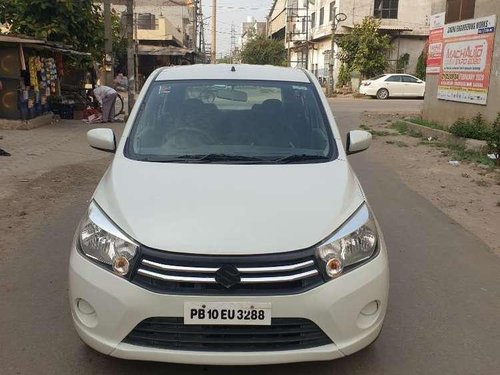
column 32, row 72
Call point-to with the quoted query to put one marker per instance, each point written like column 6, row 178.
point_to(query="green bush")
column 475, row 128
column 344, row 77
column 494, row 139
column 421, row 66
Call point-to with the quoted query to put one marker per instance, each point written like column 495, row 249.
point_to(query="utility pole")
column 201, row 29
column 137, row 87
column 108, row 44
column 307, row 35
column 213, row 57
column 195, row 27
column 130, row 54
column 233, row 44
column 335, row 19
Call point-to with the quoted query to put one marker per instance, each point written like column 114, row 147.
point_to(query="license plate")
column 227, row 313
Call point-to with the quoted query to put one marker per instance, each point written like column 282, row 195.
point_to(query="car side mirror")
column 357, row 141
column 102, row 139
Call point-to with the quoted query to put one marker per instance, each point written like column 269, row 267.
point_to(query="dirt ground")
column 33, row 199
column 469, row 193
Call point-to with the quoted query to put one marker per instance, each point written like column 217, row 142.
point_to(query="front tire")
column 382, row 94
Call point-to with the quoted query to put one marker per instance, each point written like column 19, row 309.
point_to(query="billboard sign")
column 435, row 49
column 466, row 60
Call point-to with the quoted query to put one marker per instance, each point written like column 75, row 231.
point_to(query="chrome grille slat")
column 170, row 267
column 278, row 279
column 186, row 279
column 291, row 267
column 244, row 280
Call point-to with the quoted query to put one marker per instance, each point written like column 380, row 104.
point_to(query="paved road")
column 442, row 317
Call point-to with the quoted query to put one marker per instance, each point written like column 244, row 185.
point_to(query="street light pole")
column 335, row 19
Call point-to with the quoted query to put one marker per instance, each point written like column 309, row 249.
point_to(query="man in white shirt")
column 106, row 96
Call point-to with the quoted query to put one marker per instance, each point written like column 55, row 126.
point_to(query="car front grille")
column 176, row 273
column 282, row 334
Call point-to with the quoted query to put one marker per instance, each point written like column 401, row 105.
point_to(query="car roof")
column 399, row 74
column 225, row 71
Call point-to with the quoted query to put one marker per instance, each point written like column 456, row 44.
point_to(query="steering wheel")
column 207, row 96
column 202, row 136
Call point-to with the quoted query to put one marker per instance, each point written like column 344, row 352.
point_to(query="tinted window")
column 377, row 77
column 409, row 79
column 332, row 10
column 231, row 121
column 393, row 79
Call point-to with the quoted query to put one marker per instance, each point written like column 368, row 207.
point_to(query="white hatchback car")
column 229, row 227
column 393, row 85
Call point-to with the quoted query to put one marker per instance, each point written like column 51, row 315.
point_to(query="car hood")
column 228, row 209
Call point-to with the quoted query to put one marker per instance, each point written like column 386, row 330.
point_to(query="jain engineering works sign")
column 466, row 60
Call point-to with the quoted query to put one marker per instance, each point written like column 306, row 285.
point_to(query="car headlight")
column 102, row 241
column 354, row 242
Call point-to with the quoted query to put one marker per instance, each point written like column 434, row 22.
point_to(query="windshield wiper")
column 207, row 158
column 300, row 158
column 229, row 158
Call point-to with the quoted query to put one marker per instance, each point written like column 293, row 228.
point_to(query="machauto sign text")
column 466, row 62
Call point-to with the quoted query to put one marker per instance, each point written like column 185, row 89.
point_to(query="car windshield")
column 231, row 122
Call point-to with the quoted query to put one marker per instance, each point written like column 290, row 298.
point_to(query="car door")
column 394, row 85
column 412, row 86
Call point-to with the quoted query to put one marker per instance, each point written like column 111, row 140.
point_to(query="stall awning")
column 40, row 44
column 162, row 51
column 16, row 39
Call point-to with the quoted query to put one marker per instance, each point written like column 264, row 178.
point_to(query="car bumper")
column 367, row 90
column 334, row 306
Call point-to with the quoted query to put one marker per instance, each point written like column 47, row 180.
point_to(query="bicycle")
column 83, row 98
column 119, row 106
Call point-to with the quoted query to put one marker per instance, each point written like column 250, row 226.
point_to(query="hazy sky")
column 232, row 11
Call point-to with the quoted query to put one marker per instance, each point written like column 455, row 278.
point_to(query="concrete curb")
column 42, row 120
column 441, row 135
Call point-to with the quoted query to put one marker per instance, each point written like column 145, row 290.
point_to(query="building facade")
column 165, row 33
column 305, row 26
column 470, row 14
column 252, row 28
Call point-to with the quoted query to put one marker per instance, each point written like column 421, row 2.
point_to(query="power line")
column 222, row 32
column 239, row 8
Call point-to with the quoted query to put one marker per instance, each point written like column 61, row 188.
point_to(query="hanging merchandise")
column 33, row 73
column 51, row 71
column 42, row 75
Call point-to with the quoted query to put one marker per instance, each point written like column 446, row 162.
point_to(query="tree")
column 78, row 23
column 120, row 44
column 421, row 65
column 261, row 51
column 224, row 60
column 364, row 49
